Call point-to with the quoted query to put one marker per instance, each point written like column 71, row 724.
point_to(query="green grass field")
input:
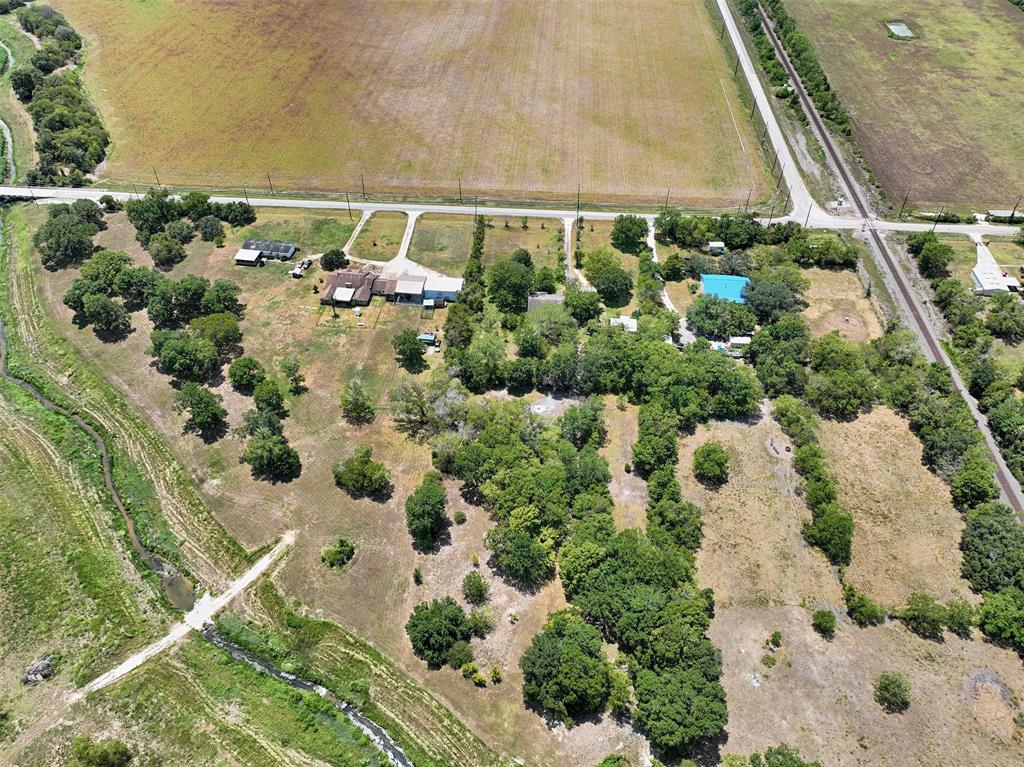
column 443, row 242
column 513, row 100
column 11, row 110
column 938, row 115
column 380, row 237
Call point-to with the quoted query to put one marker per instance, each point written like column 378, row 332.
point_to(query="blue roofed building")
column 727, row 286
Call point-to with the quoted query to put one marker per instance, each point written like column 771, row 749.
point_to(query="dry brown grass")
column 906, row 534
column 753, row 554
column 818, row 698
column 522, row 99
column 629, row 491
column 931, row 114
column 375, row 594
column 837, row 302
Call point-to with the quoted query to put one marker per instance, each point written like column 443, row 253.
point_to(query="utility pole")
column 460, row 190
column 770, row 215
column 271, row 184
column 774, row 163
column 747, row 203
column 737, row 67
column 136, row 190
column 808, row 219
column 667, row 192
column 753, row 105
column 936, row 222
column 363, row 185
column 157, row 177
column 1014, row 211
column 349, row 206
column 904, row 205
column 764, row 134
column 33, row 194
column 782, row 172
column 475, row 201
column 244, row 192
column 578, row 186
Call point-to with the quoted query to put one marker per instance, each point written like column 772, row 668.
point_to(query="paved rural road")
column 908, row 298
column 196, row 618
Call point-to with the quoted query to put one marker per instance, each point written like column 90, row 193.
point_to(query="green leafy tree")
column 780, row 756
column 409, row 350
column 583, row 424
column 711, row 464
column 993, row 548
column 1005, row 318
column 974, row 483
column 629, row 233
column 181, row 231
column 924, row 616
column 435, row 627
column 165, row 250
column 1001, row 617
column 151, row 213
column 824, row 622
column 195, row 206
column 582, row 305
column 610, row 279
column 106, row 315
column 892, row 692
column 361, row 476
column 104, row 267
column 960, row 617
column 210, row 228
column 717, row 318
column 74, row 296
column 338, row 554
column 425, row 512
column 293, row 374
column 356, row 404
column 831, row 530
column 520, row 557
column 245, row 373
column 475, row 588
column 508, row 284
column 934, row 259
column 136, row 285
column 221, row 296
column 185, row 358
column 64, row 239
column 205, row 413
column 564, row 670
column 332, row 260
column 221, row 330
column 271, row 457
column 268, row 397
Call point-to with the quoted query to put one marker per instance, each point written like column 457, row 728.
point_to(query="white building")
column 442, row 289
column 628, row 324
column 248, row 257
column 988, row 277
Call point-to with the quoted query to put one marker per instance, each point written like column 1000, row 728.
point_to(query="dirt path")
column 196, row 618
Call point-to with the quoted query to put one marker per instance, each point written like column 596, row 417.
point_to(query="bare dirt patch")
column 753, row 553
column 837, row 302
column 818, row 698
column 906, row 533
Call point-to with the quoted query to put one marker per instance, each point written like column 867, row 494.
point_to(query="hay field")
column 906, row 534
column 836, row 301
column 520, row 99
column 818, row 698
column 939, row 114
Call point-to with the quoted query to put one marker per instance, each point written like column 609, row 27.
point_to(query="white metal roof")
column 344, row 295
column 987, row 275
column 408, row 285
column 628, row 323
column 443, row 284
column 248, row 256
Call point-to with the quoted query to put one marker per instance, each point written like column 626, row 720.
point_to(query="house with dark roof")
column 349, row 287
column 280, row 251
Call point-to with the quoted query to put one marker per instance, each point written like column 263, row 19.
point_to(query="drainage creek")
column 179, row 590
column 380, row 738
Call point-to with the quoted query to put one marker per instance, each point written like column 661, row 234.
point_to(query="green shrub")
column 824, row 622
column 338, row 554
column 892, row 692
column 711, row 464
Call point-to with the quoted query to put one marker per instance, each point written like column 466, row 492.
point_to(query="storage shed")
column 442, row 290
